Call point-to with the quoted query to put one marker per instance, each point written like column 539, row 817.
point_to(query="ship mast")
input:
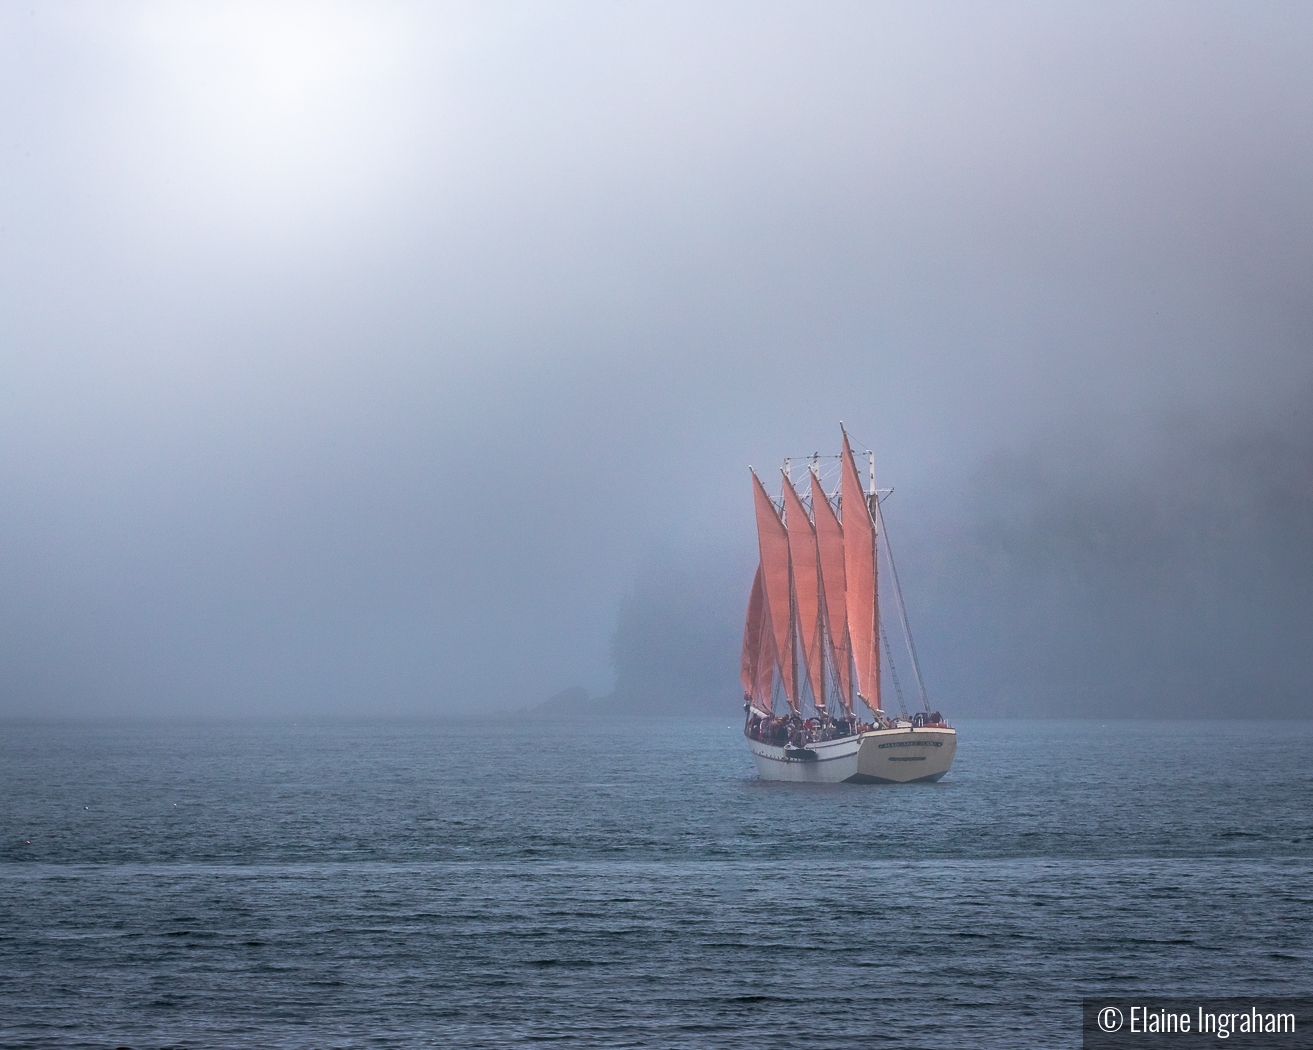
column 805, row 564
column 873, row 506
column 834, row 586
column 860, row 572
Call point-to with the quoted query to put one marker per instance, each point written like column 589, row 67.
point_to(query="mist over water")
column 1178, row 581
column 1169, row 576
column 359, row 358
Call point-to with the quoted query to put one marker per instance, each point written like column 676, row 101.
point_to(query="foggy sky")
column 377, row 358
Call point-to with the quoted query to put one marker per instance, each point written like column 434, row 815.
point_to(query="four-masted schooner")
column 811, row 643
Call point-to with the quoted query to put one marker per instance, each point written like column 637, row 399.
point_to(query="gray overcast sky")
column 357, row 358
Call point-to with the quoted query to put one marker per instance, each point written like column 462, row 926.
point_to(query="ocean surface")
column 632, row 884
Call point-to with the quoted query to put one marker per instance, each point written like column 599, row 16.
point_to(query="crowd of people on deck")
column 793, row 729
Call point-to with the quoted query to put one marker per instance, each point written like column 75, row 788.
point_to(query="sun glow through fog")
column 263, row 112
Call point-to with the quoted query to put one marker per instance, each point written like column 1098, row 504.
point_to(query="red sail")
column 765, row 671
column 773, row 541
column 806, row 588
column 752, row 639
column 829, row 544
column 859, row 572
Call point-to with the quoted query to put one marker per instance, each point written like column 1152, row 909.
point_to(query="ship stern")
column 905, row 756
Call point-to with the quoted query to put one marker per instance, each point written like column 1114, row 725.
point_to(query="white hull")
column 882, row 756
column 830, row 762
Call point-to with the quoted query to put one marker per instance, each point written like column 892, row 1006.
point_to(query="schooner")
column 811, row 667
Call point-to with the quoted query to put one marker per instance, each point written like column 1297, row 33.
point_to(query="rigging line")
column 816, row 700
column 830, row 665
column 902, row 610
column 854, row 443
column 893, row 671
column 836, row 687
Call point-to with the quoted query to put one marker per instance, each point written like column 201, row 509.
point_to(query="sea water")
column 631, row 883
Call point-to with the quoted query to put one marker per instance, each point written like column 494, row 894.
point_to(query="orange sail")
column 752, row 639
column 829, row 546
column 806, row 588
column 765, row 671
column 773, row 541
column 859, row 573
